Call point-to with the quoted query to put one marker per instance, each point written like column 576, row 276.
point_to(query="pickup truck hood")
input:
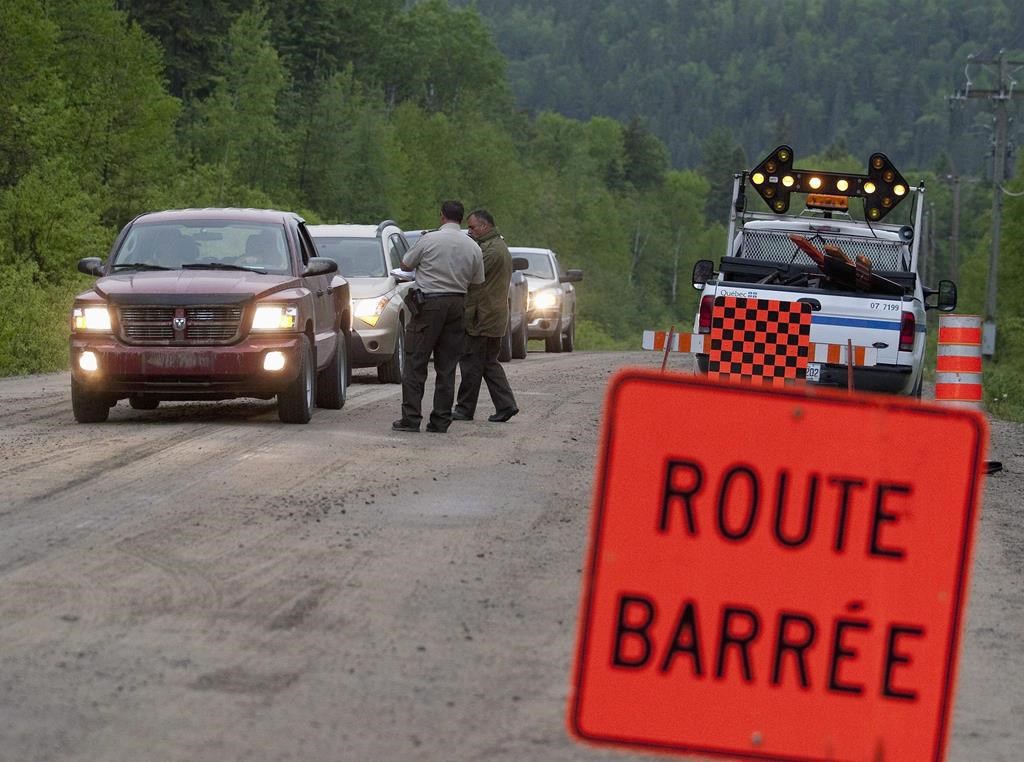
column 536, row 284
column 229, row 285
column 367, row 288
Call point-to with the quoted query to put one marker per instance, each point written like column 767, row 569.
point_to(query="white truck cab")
column 860, row 278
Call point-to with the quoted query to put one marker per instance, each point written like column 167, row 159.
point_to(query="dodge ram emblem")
column 179, row 324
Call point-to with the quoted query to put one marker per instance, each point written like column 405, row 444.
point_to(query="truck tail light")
column 907, row 326
column 704, row 314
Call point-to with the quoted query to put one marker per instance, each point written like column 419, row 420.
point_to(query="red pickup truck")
column 211, row 304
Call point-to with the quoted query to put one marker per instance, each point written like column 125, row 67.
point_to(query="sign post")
column 774, row 573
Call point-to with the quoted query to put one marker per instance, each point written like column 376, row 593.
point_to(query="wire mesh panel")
column 776, row 247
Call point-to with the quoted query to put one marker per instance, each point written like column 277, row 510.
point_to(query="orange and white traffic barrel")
column 958, row 365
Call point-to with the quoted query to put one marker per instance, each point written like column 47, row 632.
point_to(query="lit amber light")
column 814, row 182
column 783, row 155
column 869, row 187
column 780, row 205
column 874, row 213
column 842, row 184
column 899, row 190
column 788, row 181
column 877, row 162
column 888, row 175
column 757, row 178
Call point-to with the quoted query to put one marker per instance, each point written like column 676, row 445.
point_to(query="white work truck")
column 860, row 277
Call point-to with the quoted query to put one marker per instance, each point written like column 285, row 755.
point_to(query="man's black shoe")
column 403, row 425
column 457, row 416
column 503, row 416
column 434, row 430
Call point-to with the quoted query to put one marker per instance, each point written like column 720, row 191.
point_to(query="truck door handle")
column 815, row 304
column 320, row 292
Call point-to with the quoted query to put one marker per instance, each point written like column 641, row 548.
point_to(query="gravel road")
column 202, row 582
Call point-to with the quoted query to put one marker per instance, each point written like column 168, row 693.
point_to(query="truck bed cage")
column 775, row 246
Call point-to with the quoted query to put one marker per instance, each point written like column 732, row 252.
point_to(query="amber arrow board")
column 775, row 573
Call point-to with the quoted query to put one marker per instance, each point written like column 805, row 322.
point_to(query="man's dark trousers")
column 480, row 361
column 436, row 329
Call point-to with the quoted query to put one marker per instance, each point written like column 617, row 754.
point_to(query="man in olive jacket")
column 486, row 319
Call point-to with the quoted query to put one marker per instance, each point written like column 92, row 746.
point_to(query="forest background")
column 607, row 130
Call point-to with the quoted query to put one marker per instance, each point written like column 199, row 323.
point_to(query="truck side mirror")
column 520, row 263
column 91, row 266
column 946, row 297
column 320, row 266
column 703, row 271
column 571, row 276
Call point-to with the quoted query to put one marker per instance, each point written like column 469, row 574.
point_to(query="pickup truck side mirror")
column 91, row 266
column 946, row 301
column 320, row 266
column 520, row 263
column 703, row 271
column 571, row 276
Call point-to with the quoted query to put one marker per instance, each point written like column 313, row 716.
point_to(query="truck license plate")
column 813, row 372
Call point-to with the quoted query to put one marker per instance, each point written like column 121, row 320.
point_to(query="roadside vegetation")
column 357, row 112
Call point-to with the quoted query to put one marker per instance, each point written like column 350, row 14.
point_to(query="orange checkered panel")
column 759, row 340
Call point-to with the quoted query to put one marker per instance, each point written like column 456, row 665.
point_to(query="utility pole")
column 1000, row 97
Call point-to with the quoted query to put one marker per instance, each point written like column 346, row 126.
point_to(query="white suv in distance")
column 366, row 254
column 552, row 308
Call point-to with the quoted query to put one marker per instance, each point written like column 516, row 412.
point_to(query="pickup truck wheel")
column 569, row 337
column 88, row 407
column 519, row 341
column 391, row 372
column 143, row 403
column 331, row 381
column 295, row 404
column 505, row 350
column 553, row 343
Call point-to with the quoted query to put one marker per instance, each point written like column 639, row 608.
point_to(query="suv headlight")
column 275, row 317
column 90, row 318
column 370, row 310
column 545, row 298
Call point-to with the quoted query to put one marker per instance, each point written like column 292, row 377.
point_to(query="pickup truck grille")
column 203, row 324
column 776, row 247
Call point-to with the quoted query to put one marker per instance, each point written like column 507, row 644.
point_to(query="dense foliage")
column 353, row 111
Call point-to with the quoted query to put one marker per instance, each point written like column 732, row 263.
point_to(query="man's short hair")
column 453, row 210
column 483, row 214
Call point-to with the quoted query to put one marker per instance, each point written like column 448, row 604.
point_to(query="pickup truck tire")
column 295, row 404
column 519, row 341
column 391, row 371
column 569, row 337
column 553, row 343
column 332, row 381
column 88, row 407
column 505, row 350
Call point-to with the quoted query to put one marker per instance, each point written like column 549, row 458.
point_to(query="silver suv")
column 366, row 254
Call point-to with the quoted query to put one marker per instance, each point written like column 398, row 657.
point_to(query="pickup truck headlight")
column 370, row 310
column 275, row 317
column 545, row 298
column 91, row 318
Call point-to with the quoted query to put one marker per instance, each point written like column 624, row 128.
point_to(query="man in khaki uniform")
column 486, row 319
column 447, row 262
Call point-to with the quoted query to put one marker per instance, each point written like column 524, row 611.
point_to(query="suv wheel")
column 519, row 341
column 88, row 407
column 331, row 382
column 295, row 404
column 553, row 343
column 391, row 371
column 569, row 338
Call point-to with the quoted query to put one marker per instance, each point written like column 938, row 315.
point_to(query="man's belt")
column 442, row 295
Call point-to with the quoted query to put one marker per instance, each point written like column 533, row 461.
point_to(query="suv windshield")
column 540, row 264
column 210, row 244
column 356, row 257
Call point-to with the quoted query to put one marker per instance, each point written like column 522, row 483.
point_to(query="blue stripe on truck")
column 884, row 325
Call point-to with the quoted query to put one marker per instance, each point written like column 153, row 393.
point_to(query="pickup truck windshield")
column 205, row 244
column 356, row 257
column 540, row 264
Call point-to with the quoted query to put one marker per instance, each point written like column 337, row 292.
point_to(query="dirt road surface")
column 202, row 582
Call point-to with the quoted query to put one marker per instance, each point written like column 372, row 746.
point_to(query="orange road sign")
column 775, row 573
